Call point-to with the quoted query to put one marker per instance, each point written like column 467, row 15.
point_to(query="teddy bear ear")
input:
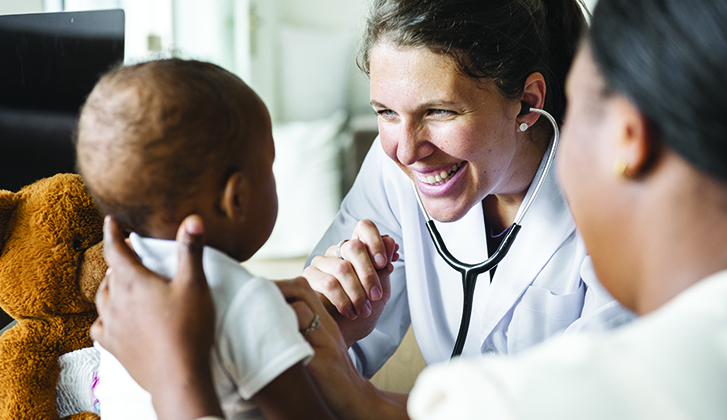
column 8, row 203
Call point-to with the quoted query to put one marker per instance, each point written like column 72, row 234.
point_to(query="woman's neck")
column 680, row 256
column 500, row 211
column 683, row 237
column 501, row 208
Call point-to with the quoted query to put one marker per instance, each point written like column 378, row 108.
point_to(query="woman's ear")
column 534, row 96
column 637, row 146
column 235, row 196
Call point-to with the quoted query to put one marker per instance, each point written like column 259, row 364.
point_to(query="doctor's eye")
column 386, row 113
column 440, row 112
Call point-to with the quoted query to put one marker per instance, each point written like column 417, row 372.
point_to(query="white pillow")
column 308, row 178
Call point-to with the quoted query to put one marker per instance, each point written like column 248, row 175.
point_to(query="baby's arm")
column 292, row 395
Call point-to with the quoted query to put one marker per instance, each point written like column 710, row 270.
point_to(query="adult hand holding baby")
column 145, row 321
column 348, row 394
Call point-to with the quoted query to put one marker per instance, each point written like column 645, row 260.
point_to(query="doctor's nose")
column 413, row 143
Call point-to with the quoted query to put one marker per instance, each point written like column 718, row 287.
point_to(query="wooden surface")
column 400, row 372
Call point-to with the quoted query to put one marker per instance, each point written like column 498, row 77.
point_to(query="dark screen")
column 49, row 62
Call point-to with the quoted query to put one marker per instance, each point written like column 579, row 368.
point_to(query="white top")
column 544, row 285
column 668, row 365
column 256, row 337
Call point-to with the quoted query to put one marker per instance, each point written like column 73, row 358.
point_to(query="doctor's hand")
column 356, row 286
column 160, row 330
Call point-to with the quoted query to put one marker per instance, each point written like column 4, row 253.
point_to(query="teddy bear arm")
column 86, row 415
column 29, row 371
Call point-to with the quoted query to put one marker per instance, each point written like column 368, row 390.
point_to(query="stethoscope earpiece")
column 524, row 108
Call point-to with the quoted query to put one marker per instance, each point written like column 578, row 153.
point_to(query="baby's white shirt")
column 256, row 337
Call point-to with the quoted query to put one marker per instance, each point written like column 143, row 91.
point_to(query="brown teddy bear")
column 51, row 264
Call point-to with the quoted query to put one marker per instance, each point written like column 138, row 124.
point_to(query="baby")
column 158, row 141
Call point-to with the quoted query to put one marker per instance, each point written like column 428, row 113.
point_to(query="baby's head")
column 160, row 140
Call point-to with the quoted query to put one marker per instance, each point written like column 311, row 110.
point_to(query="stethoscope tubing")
column 470, row 272
column 469, row 275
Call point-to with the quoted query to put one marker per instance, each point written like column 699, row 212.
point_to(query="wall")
column 8, row 7
column 349, row 15
column 340, row 19
column 331, row 14
column 205, row 29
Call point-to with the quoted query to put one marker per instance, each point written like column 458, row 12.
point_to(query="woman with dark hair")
column 448, row 80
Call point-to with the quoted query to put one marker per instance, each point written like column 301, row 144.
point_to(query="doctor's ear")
column 234, row 201
column 534, row 96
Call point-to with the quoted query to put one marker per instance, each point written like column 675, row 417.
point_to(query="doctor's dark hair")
column 155, row 134
column 670, row 58
column 502, row 40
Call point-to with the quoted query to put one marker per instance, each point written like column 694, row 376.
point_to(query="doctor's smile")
column 439, row 181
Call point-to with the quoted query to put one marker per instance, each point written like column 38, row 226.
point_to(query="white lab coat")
column 544, row 285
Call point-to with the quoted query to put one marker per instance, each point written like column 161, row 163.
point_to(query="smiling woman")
column 426, row 105
column 449, row 80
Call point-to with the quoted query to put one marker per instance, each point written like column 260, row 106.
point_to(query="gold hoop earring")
column 620, row 167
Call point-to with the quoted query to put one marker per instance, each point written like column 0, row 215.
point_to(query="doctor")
column 447, row 81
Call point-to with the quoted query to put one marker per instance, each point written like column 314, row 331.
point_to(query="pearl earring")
column 523, row 127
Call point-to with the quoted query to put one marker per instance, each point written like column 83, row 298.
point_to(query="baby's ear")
column 8, row 203
column 234, row 196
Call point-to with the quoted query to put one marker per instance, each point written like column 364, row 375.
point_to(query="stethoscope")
column 471, row 271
